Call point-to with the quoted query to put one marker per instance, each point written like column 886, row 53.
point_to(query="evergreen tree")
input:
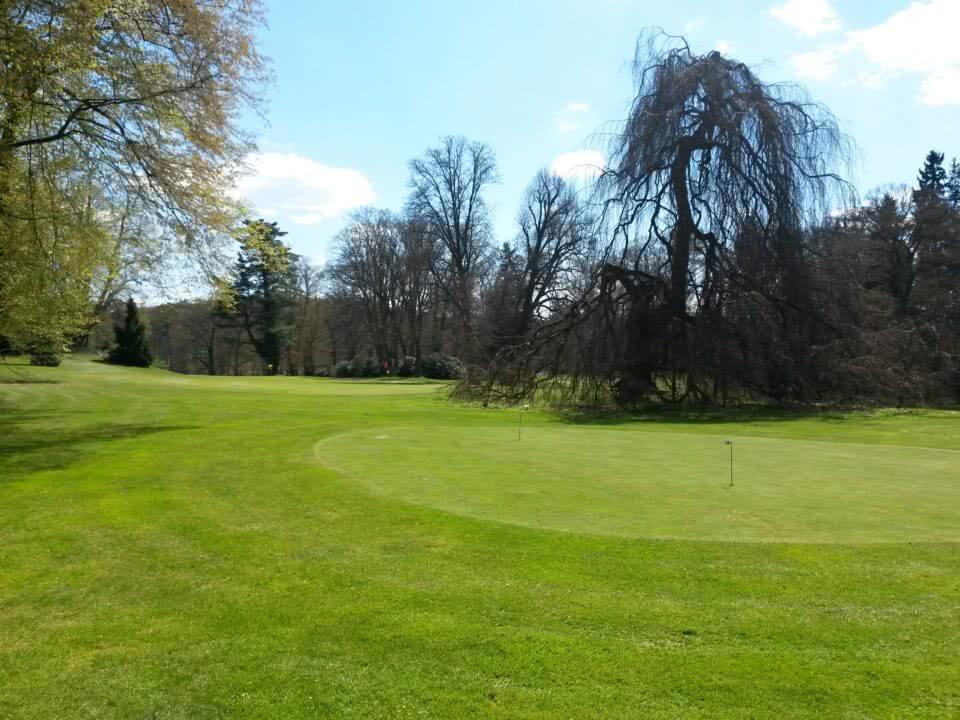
column 953, row 185
column 263, row 291
column 890, row 262
column 935, row 239
column 131, row 348
column 932, row 178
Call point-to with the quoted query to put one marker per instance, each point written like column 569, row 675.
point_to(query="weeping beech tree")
column 710, row 159
column 708, row 154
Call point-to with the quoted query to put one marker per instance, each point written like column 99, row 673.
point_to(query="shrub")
column 369, row 368
column 439, row 366
column 45, row 352
column 44, row 358
column 407, row 367
column 357, row 368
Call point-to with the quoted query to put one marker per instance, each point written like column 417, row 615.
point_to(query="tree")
column 308, row 324
column 891, row 263
column 139, row 98
column 554, row 229
column 261, row 296
column 932, row 178
column 501, row 302
column 131, row 340
column 418, row 251
column 136, row 253
column 953, row 185
column 447, row 186
column 52, row 244
column 708, row 150
column 149, row 92
column 937, row 233
column 368, row 268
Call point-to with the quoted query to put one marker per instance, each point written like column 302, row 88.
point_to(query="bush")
column 436, row 367
column 407, row 367
column 370, row 368
column 44, row 358
column 357, row 368
column 45, row 352
column 439, row 366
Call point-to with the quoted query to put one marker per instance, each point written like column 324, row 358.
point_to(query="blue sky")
column 363, row 87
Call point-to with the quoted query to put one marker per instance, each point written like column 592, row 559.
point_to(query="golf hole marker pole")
column 730, row 443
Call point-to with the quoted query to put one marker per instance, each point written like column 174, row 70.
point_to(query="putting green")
column 659, row 484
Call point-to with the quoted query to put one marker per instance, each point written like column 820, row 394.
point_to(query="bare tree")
column 308, row 326
column 367, row 267
column 554, row 229
column 418, row 251
column 447, row 186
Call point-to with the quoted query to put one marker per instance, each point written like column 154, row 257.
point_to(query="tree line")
column 860, row 306
column 420, row 291
column 718, row 257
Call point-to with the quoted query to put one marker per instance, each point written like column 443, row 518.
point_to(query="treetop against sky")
column 363, row 88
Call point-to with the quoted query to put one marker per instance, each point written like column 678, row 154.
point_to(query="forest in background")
column 719, row 256
column 865, row 309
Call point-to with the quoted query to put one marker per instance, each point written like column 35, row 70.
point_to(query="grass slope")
column 176, row 547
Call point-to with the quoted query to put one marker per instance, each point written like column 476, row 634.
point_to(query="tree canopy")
column 105, row 103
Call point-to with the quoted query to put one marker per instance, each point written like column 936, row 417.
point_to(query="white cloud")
column 723, row 47
column 809, row 17
column 815, row 65
column 941, row 88
column 581, row 164
column 918, row 40
column 577, row 107
column 301, row 190
column 694, row 24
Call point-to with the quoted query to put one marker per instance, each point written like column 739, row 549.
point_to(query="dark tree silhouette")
column 131, row 340
column 933, row 177
column 953, row 185
column 554, row 229
column 708, row 151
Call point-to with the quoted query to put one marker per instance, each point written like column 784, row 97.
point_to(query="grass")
column 184, row 547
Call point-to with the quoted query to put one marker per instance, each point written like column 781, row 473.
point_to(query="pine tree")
column 953, row 185
column 932, row 178
column 131, row 348
column 262, row 291
column 934, row 239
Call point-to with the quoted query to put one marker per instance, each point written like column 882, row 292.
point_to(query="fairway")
column 216, row 547
column 662, row 484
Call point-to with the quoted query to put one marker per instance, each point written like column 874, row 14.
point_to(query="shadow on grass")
column 391, row 381
column 17, row 371
column 27, row 380
column 713, row 416
column 28, row 450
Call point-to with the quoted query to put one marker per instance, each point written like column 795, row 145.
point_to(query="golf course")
column 180, row 546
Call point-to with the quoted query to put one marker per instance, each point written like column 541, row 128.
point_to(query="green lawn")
column 193, row 547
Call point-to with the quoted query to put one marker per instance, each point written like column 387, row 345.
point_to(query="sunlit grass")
column 182, row 547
